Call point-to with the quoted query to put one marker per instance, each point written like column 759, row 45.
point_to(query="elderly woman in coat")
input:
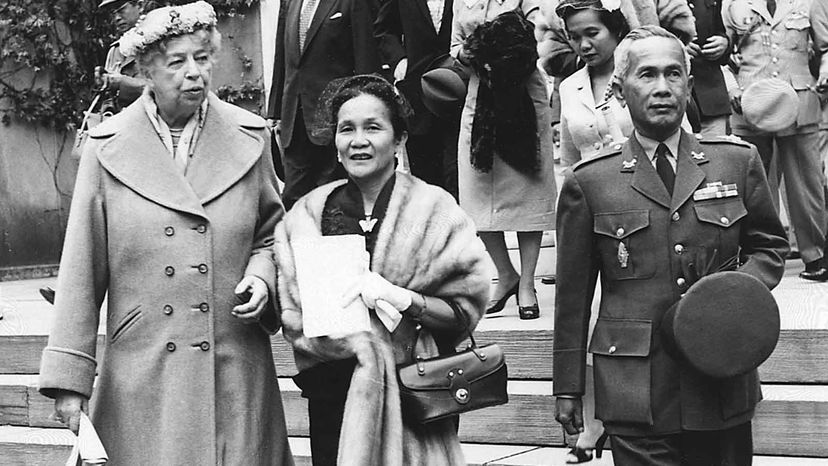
column 172, row 219
column 424, row 260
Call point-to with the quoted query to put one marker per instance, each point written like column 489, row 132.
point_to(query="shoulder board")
column 729, row 139
column 609, row 151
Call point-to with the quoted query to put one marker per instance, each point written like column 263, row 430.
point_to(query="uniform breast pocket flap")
column 622, row 244
column 721, row 212
column 798, row 20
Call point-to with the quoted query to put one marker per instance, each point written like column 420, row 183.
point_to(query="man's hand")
column 68, row 408
column 570, row 413
column 556, row 134
column 693, row 50
column 252, row 292
column 714, row 48
column 736, row 100
column 400, row 70
column 822, row 82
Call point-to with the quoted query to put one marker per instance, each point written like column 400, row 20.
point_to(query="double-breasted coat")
column 618, row 199
column 181, row 380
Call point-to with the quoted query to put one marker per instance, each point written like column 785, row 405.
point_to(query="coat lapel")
column 423, row 7
column 224, row 153
column 645, row 180
column 688, row 174
column 292, row 28
column 323, row 11
column 761, row 8
column 783, row 9
column 136, row 157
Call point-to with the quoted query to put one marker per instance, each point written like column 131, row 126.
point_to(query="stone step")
column 26, row 446
column 792, row 419
column 801, row 356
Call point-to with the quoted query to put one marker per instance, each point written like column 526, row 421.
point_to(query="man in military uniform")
column 645, row 214
column 120, row 79
column 772, row 41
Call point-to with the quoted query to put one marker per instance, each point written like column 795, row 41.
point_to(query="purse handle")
column 458, row 314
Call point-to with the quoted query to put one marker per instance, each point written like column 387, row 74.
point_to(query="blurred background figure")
column 119, row 76
column 709, row 108
column 411, row 38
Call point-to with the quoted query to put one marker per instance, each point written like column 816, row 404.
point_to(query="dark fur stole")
column 504, row 55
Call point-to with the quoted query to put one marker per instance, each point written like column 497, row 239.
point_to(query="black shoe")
column 529, row 312
column 550, row 280
column 579, row 455
column 48, row 294
column 496, row 306
column 814, row 271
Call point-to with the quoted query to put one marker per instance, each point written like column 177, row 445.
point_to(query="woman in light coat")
column 172, row 220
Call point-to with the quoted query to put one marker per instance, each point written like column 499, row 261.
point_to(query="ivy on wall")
column 49, row 50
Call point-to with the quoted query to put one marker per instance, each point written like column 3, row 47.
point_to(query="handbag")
column 447, row 385
column 90, row 120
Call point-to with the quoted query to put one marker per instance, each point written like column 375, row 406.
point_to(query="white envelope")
column 326, row 268
column 88, row 447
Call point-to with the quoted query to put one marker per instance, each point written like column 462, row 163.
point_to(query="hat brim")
column 770, row 105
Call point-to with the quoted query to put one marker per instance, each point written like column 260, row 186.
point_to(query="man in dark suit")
column 710, row 50
column 317, row 41
column 411, row 35
column 640, row 214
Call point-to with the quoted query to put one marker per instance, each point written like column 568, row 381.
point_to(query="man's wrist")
column 418, row 306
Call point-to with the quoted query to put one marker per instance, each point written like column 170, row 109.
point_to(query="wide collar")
column 646, row 181
column 584, row 87
column 225, row 151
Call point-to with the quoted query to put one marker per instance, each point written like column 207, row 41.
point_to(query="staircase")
column 790, row 428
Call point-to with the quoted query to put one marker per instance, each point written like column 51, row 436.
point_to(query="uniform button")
column 725, row 220
column 679, row 248
column 597, row 146
column 204, row 307
column 775, row 74
column 619, row 232
column 676, row 216
column 775, row 59
column 680, row 281
column 201, row 228
column 169, row 231
column 775, row 46
column 202, row 268
column 169, row 270
column 612, row 349
column 168, row 309
column 170, row 347
column 205, row 346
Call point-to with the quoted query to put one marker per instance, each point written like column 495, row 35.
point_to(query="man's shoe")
column 48, row 294
column 814, row 271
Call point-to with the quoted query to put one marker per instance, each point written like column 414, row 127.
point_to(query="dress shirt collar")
column 650, row 146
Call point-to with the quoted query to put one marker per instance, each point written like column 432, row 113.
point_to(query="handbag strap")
column 85, row 122
column 458, row 314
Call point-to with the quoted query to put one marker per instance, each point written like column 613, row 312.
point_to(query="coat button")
column 680, row 281
column 170, row 347
column 597, row 146
column 169, row 231
column 676, row 216
column 619, row 232
column 201, row 228
column 612, row 349
column 168, row 309
column 202, row 268
column 725, row 220
column 205, row 346
column 204, row 307
column 169, row 270
column 679, row 248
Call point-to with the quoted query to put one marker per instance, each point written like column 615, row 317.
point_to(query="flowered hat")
column 609, row 5
column 166, row 22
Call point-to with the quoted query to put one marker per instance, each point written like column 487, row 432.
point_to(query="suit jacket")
column 709, row 88
column 339, row 43
column 618, row 198
column 167, row 249
column 404, row 29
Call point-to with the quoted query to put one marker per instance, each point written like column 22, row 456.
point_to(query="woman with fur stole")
column 424, row 259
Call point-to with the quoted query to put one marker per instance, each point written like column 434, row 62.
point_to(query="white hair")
column 622, row 52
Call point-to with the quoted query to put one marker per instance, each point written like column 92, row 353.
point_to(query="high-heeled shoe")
column 496, row 306
column 529, row 312
column 583, row 455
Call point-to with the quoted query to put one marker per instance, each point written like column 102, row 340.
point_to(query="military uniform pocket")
column 621, row 350
column 721, row 212
column 621, row 242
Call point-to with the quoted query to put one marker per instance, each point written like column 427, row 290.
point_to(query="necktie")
column 772, row 7
column 305, row 17
column 663, row 167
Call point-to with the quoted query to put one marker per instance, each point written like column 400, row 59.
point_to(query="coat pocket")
column 127, row 322
column 722, row 213
column 622, row 242
column 621, row 350
column 809, row 108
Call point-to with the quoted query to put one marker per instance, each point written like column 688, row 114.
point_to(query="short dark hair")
column 614, row 20
column 342, row 90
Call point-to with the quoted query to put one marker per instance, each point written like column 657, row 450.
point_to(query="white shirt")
column 650, row 146
column 435, row 8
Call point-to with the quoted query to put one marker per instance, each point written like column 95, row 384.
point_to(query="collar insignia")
column 628, row 164
column 697, row 155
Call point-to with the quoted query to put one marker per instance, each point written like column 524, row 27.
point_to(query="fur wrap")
column 426, row 243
